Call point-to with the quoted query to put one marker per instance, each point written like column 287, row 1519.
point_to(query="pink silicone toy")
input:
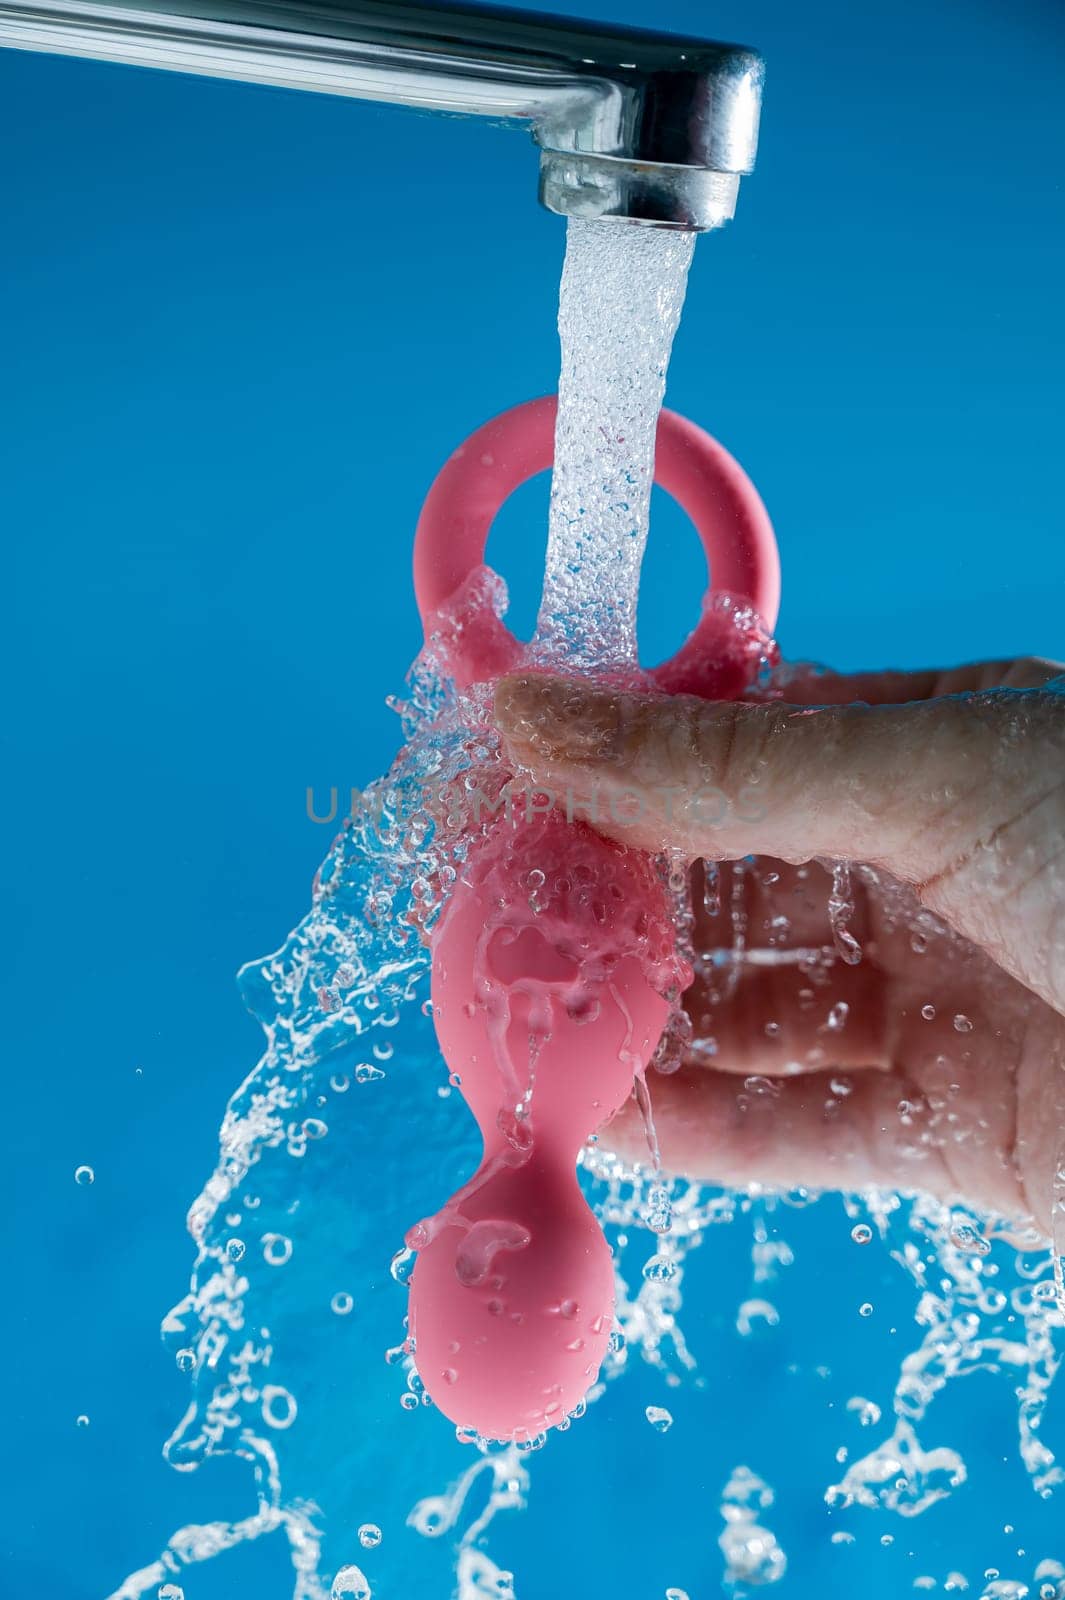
column 554, row 967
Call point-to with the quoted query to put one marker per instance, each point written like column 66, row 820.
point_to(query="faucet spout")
column 651, row 127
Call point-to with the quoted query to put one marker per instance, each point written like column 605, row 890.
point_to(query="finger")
column 804, row 1133
column 962, row 796
column 806, row 684
column 904, row 786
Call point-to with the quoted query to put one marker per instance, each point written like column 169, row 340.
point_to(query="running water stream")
column 291, row 1304
column 621, row 298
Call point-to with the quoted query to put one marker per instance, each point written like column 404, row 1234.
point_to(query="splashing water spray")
column 556, row 963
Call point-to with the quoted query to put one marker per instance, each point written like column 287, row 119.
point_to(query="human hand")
column 937, row 1060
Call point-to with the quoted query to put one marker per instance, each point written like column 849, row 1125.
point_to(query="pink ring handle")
column 699, row 473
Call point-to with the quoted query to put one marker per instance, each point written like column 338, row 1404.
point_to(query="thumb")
column 962, row 796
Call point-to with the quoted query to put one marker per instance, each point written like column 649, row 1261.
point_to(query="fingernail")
column 558, row 719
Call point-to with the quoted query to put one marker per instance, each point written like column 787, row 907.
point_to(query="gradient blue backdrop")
column 242, row 328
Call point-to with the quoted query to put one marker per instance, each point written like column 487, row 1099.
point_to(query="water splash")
column 502, row 1467
column 992, row 1310
column 970, row 1324
column 257, row 1333
column 840, row 912
column 753, row 1558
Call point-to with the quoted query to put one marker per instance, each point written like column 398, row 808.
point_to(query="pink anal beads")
column 550, row 966
column 553, row 957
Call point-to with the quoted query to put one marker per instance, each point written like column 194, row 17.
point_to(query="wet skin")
column 936, row 1061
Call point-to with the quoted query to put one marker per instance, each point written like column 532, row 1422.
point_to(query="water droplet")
column 366, row 1072
column 837, row 1016
column 966, row 1237
column 402, row 1265
column 753, row 1312
column 84, row 1176
column 341, row 1303
column 517, row 1131
column 278, row 1407
column 766, row 1088
column 928, row 1012
column 865, row 1309
column 861, row 1233
column 235, row 1249
column 276, row 1249
column 185, row 1360
column 350, row 1584
column 369, row 1535
column 659, row 1269
column 659, row 1213
column 482, row 1243
column 660, row 1419
column 962, row 1023
column 82, row 1421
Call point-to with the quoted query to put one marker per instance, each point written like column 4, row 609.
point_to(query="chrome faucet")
column 652, row 127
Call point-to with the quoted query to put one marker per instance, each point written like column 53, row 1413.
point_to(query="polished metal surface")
column 652, row 127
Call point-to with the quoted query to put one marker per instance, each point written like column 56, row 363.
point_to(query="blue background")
column 242, row 329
